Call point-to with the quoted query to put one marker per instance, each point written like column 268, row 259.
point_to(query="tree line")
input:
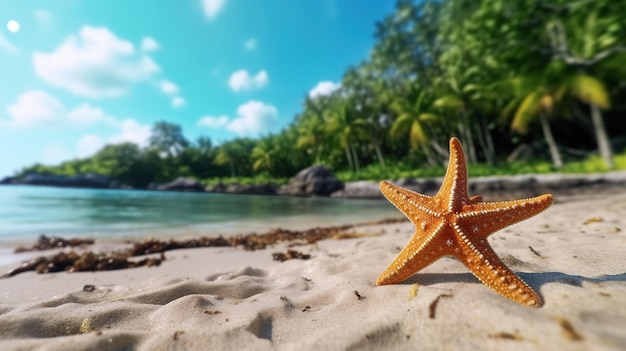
column 538, row 79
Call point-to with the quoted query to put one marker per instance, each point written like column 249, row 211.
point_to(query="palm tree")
column 346, row 128
column 263, row 154
column 537, row 96
column 593, row 92
column 310, row 129
column 412, row 120
column 534, row 97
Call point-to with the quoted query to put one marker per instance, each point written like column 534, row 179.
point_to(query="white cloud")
column 168, row 87
column 178, row 101
column 88, row 145
column 213, row 122
column 323, row 88
column 250, row 44
column 242, row 80
column 33, row 108
column 131, row 131
column 148, row 44
column 43, row 16
column 212, row 7
column 95, row 64
column 87, row 114
column 128, row 130
column 253, row 118
column 7, row 46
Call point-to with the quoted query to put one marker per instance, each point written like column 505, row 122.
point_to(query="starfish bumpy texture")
column 452, row 223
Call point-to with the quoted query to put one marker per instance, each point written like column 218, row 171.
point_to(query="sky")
column 76, row 75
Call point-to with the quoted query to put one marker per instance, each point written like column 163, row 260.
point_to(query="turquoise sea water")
column 28, row 211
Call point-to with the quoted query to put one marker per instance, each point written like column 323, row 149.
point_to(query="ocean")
column 116, row 215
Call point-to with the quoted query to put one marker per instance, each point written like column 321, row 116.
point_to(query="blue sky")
column 79, row 74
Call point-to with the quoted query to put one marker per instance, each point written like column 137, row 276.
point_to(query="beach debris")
column 306, row 308
column 568, row 332
column 616, row 230
column 177, row 334
column 453, row 223
column 593, row 220
column 84, row 262
column 89, row 288
column 432, row 308
column 358, row 296
column 290, row 255
column 284, row 298
column 534, row 251
column 506, row 336
column 413, row 290
column 54, row 242
column 89, row 261
column 213, row 312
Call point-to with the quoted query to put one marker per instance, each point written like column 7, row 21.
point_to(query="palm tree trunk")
column 429, row 158
column 466, row 138
column 232, row 169
column 379, row 154
column 547, row 133
column 355, row 159
column 484, row 138
column 602, row 138
column 349, row 157
column 469, row 138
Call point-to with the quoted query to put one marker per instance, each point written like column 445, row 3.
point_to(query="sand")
column 574, row 254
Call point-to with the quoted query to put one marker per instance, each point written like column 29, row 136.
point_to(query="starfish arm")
column 415, row 206
column 489, row 269
column 483, row 219
column 421, row 251
column 454, row 186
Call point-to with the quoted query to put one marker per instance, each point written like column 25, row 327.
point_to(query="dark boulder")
column 312, row 181
column 182, row 184
column 7, row 180
column 249, row 189
column 253, row 189
column 362, row 189
column 217, row 188
column 83, row 180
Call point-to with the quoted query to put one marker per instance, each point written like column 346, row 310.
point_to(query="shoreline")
column 226, row 298
column 491, row 187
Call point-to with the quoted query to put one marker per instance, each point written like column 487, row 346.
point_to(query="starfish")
column 452, row 223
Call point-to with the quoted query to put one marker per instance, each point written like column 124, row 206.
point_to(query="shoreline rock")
column 494, row 188
column 182, row 184
column 83, row 180
column 243, row 189
column 312, row 181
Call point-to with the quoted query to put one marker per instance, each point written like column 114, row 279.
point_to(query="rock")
column 363, row 189
column 217, row 188
column 83, row 180
column 254, row 189
column 182, row 183
column 248, row 189
column 7, row 180
column 315, row 180
column 498, row 188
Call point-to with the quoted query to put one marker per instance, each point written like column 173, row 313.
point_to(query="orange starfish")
column 452, row 223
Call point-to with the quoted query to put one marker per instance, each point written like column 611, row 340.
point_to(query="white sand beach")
column 573, row 254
